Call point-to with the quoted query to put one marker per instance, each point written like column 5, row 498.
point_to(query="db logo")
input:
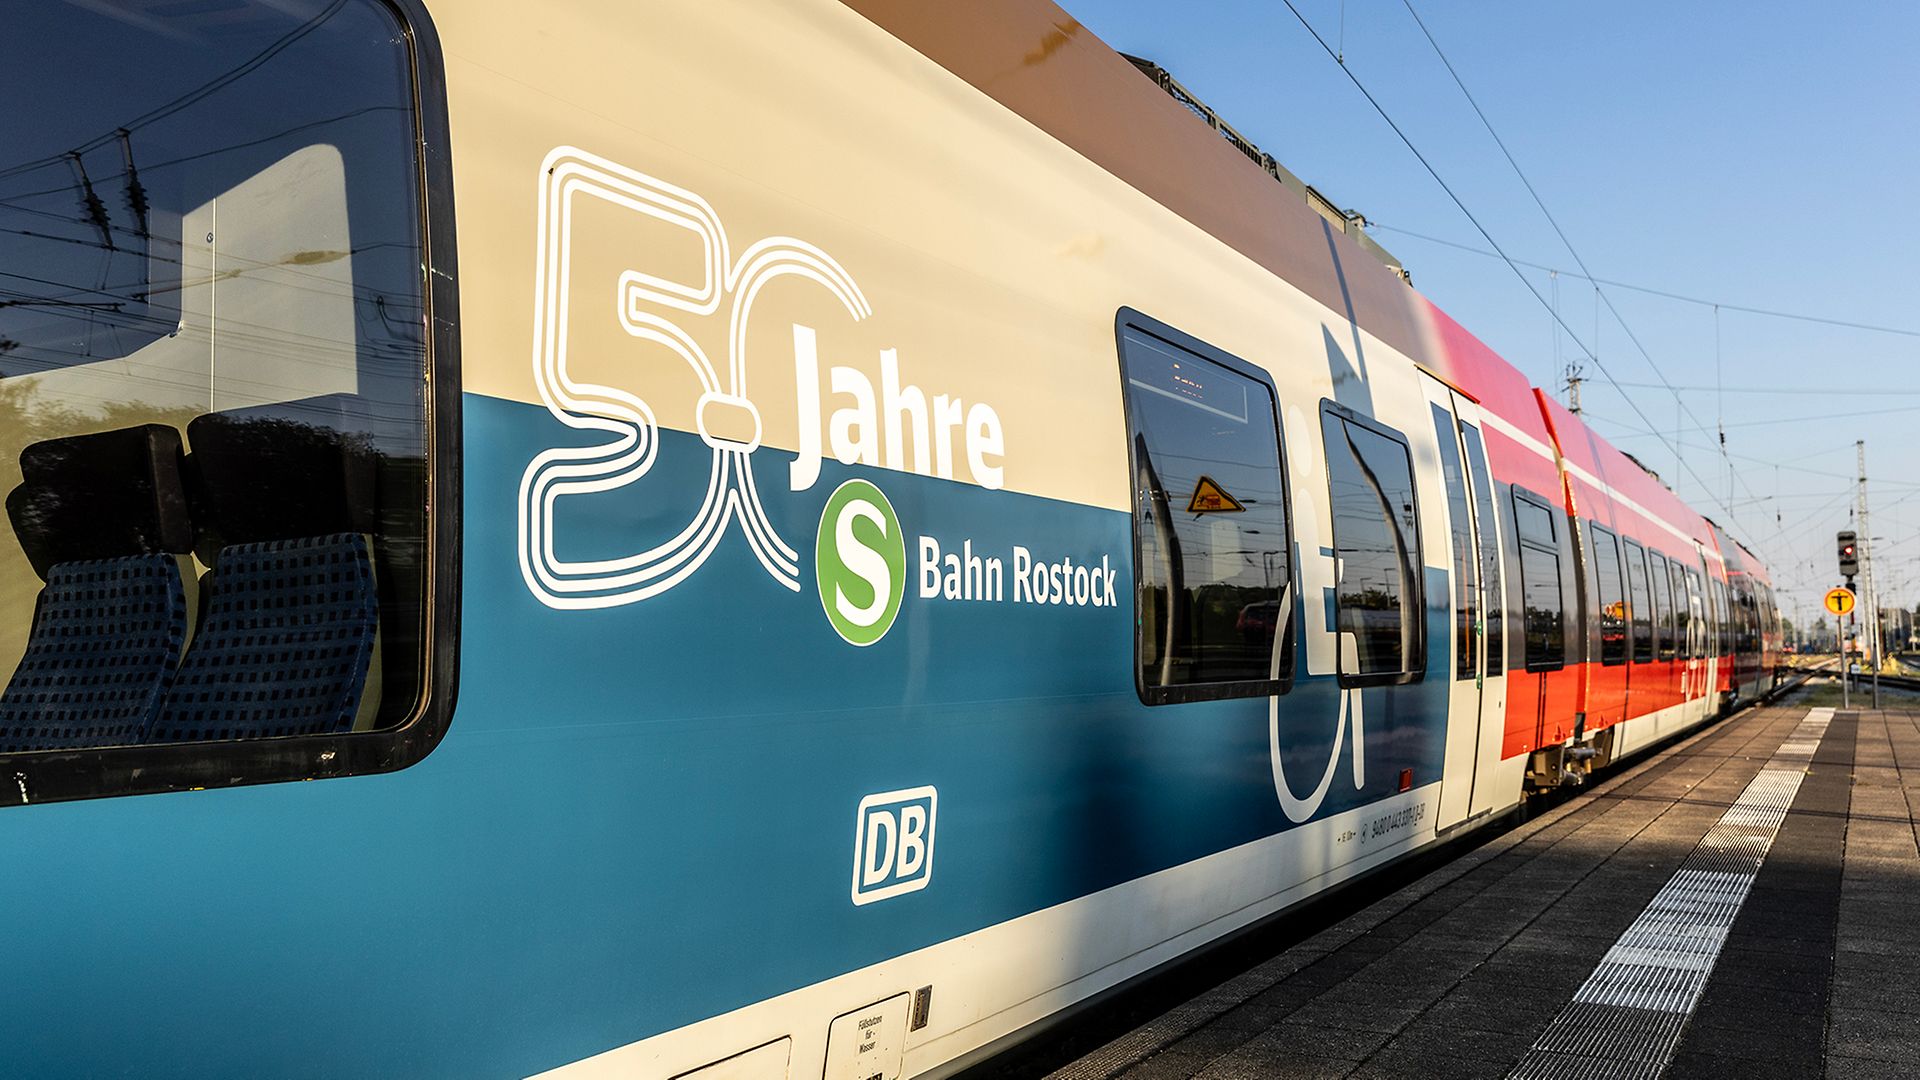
column 893, row 843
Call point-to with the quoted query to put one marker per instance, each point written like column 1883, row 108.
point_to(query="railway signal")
column 1849, row 554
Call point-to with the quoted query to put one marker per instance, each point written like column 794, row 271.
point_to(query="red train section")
column 1636, row 615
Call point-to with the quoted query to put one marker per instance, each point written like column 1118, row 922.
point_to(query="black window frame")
column 1697, row 595
column 1128, row 318
column 154, row 768
column 1725, row 612
column 1677, row 582
column 1415, row 665
column 1600, row 560
column 1640, row 607
column 1467, row 588
column 1553, row 659
column 1493, row 581
column 1660, row 585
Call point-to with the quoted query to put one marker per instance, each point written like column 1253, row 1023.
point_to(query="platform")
column 1745, row 903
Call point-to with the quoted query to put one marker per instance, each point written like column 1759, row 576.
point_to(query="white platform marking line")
column 1660, row 964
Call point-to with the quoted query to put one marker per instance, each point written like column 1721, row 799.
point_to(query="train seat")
column 282, row 511
column 103, row 520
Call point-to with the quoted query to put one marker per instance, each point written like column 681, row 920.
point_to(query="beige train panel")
column 993, row 257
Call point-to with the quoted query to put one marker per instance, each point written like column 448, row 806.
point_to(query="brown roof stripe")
column 1036, row 60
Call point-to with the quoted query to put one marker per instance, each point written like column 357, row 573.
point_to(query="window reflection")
column 1660, row 580
column 1640, row 606
column 1466, row 590
column 1541, row 599
column 1490, row 576
column 1376, row 550
column 212, row 361
column 1210, row 521
column 1613, row 599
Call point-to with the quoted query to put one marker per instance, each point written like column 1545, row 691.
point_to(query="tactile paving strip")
column 1626, row 1019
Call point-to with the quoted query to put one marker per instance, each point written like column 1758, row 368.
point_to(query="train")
column 413, row 415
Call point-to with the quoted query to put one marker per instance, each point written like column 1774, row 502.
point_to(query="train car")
column 1172, row 560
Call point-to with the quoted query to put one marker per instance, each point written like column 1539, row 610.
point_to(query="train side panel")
column 1082, row 836
column 802, row 604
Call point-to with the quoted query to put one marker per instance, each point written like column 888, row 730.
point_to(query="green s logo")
column 860, row 562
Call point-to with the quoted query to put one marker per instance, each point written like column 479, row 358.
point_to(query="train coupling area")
column 1738, row 904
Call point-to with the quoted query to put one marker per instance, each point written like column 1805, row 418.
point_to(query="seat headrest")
column 101, row 496
column 274, row 473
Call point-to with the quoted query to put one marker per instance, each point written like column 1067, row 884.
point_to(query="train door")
column 1476, row 698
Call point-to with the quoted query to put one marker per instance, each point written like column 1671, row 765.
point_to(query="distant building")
column 1897, row 629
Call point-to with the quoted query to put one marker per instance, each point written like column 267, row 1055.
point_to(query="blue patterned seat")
column 105, row 639
column 285, row 646
column 102, row 519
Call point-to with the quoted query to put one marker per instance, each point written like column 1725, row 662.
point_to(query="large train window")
column 229, row 481
column 1378, row 599
column 1613, row 595
column 1212, row 545
column 1465, row 558
column 1544, row 607
column 1639, row 603
column 1492, row 584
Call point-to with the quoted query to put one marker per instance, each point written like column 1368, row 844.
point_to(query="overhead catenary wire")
column 1794, row 391
column 1629, row 431
column 1537, row 200
column 1745, row 309
column 167, row 109
column 1679, row 401
column 1488, row 236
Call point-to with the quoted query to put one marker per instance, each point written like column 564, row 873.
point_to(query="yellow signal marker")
column 1210, row 498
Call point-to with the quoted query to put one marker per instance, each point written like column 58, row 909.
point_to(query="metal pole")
column 1866, row 574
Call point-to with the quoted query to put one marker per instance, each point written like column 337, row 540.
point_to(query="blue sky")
column 1760, row 155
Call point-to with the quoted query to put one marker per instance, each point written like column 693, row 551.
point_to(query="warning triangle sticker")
column 1210, row 498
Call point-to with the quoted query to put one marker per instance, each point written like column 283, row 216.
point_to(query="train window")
column 1662, row 586
column 1717, row 615
column 1723, row 612
column 1535, row 522
column 1639, row 603
column 1214, row 610
column 1742, row 615
column 1709, row 606
column 1376, row 550
column 1491, row 595
column 220, row 329
column 1677, row 579
column 1613, row 596
column 1465, row 559
column 1545, row 624
column 1697, row 598
column 1709, row 615
column 1749, row 619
